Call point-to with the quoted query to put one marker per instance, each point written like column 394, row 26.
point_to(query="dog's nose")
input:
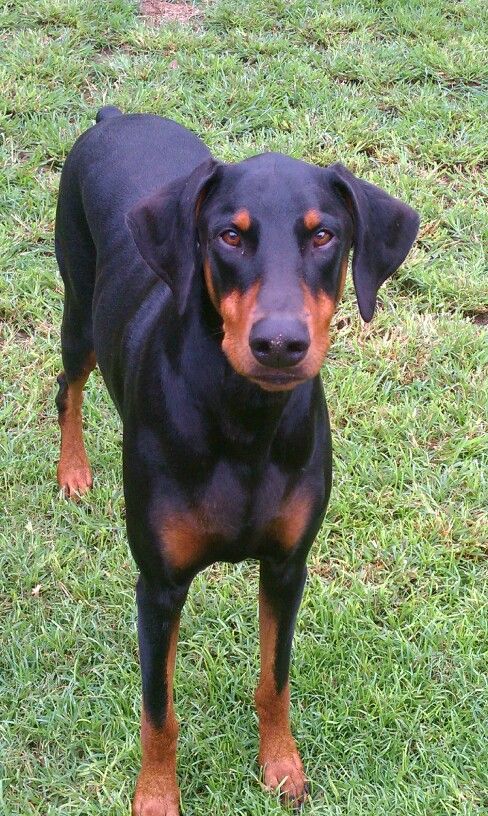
column 279, row 342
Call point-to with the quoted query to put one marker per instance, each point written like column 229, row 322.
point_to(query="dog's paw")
column 285, row 775
column 156, row 795
column 155, row 806
column 74, row 480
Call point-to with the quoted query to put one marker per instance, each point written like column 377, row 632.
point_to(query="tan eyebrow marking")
column 312, row 219
column 242, row 219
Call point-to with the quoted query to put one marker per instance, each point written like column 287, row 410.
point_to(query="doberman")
column 205, row 291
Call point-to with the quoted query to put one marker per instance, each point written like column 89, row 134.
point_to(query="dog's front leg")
column 280, row 592
column 159, row 608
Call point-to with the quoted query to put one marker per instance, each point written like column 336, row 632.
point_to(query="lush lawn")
column 390, row 687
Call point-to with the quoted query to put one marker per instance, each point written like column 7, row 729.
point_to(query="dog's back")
column 118, row 161
column 115, row 163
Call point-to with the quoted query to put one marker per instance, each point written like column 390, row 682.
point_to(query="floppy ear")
column 164, row 228
column 384, row 231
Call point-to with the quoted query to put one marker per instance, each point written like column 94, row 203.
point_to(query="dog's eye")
column 321, row 238
column 231, row 237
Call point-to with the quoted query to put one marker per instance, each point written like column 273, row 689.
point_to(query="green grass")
column 390, row 692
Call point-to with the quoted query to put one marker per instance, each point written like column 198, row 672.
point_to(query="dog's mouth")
column 278, row 381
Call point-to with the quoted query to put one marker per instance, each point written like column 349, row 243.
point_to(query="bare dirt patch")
column 157, row 11
column 481, row 319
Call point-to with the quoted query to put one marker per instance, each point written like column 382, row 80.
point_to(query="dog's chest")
column 232, row 519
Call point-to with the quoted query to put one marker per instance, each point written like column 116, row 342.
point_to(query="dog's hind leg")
column 77, row 266
column 73, row 472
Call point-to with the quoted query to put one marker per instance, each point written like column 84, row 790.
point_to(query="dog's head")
column 272, row 235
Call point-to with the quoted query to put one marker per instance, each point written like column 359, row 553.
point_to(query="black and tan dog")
column 204, row 291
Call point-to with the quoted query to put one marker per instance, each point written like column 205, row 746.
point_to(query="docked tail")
column 107, row 113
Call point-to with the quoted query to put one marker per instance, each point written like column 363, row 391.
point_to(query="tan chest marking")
column 187, row 536
column 292, row 520
column 190, row 536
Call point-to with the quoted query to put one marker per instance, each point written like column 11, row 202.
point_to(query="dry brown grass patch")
column 157, row 11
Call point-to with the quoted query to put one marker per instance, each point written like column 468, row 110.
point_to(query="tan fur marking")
column 318, row 314
column 239, row 311
column 185, row 537
column 157, row 787
column 342, row 278
column 312, row 219
column 210, row 284
column 73, row 472
column 278, row 754
column 242, row 219
column 291, row 522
